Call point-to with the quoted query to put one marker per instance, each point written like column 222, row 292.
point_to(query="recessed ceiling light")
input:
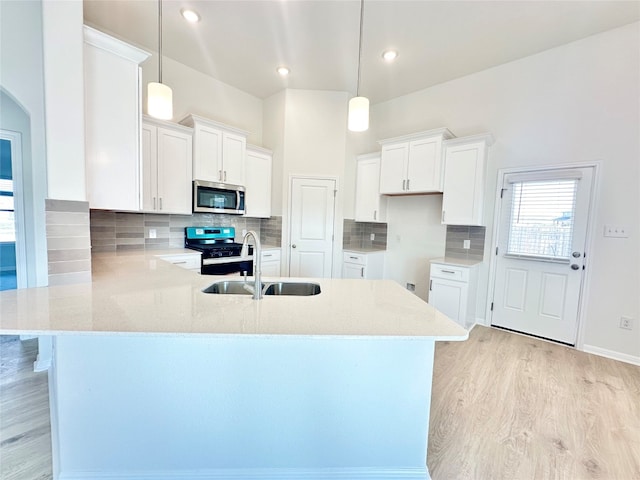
column 190, row 15
column 283, row 71
column 389, row 55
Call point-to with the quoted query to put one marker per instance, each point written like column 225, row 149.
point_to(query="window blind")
column 542, row 218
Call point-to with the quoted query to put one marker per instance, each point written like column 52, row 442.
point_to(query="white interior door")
column 311, row 238
column 541, row 251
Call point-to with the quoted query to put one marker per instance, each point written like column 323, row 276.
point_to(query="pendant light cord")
column 159, row 41
column 360, row 46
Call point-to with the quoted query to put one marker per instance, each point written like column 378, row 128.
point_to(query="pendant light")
column 358, row 120
column 159, row 96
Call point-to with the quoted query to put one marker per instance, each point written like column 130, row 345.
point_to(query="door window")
column 542, row 219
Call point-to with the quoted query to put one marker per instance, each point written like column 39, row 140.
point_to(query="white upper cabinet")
column 465, row 162
column 370, row 206
column 113, row 112
column 219, row 151
column 258, row 182
column 167, row 152
column 413, row 163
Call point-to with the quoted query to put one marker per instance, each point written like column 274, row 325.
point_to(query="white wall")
column 21, row 78
column 314, row 144
column 575, row 103
column 197, row 93
column 64, row 98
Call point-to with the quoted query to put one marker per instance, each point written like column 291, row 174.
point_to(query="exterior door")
column 311, row 241
column 541, row 251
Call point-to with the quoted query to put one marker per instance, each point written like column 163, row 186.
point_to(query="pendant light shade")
column 159, row 101
column 159, row 96
column 358, row 114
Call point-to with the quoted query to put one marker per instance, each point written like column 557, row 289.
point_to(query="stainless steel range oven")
column 221, row 255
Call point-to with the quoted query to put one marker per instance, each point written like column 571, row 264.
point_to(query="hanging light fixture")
column 358, row 120
column 159, row 96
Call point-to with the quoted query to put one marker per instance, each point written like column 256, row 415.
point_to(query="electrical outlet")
column 626, row 323
column 466, row 244
column 616, row 231
column 411, row 287
column 373, row 237
column 153, row 233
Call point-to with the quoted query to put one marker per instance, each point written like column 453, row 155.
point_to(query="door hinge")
column 583, row 267
column 502, row 190
column 492, row 306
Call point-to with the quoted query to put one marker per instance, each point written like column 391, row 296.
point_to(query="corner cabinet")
column 167, row 152
column 258, row 182
column 452, row 290
column 465, row 164
column 413, row 163
column 369, row 265
column 370, row 206
column 113, row 113
column 218, row 151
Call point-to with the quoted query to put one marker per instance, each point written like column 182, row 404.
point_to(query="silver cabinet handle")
column 430, row 285
column 179, row 263
column 154, row 203
column 362, row 272
column 442, row 216
column 267, row 255
column 160, row 203
column 447, row 271
column 403, row 184
column 353, row 258
column 408, row 181
column 375, row 212
column 220, row 175
column 225, row 175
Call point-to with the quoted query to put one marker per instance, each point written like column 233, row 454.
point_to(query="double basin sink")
column 299, row 289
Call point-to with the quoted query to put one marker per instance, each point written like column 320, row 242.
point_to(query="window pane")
column 542, row 215
column 7, row 227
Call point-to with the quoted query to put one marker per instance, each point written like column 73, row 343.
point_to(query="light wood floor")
column 504, row 406
column 25, row 436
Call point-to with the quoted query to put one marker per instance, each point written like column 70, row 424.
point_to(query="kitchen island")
column 152, row 378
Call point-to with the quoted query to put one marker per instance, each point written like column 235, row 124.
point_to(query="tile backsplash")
column 120, row 231
column 358, row 235
column 68, row 247
column 455, row 240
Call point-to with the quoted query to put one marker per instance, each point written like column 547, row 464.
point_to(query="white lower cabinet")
column 270, row 262
column 188, row 261
column 452, row 291
column 368, row 265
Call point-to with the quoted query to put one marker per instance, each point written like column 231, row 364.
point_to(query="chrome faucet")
column 256, row 289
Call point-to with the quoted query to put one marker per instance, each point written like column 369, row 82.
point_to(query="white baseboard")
column 603, row 352
column 262, row 474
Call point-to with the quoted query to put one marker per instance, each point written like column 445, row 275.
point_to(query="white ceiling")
column 241, row 42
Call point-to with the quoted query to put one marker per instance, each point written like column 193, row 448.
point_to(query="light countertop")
column 364, row 250
column 460, row 262
column 143, row 294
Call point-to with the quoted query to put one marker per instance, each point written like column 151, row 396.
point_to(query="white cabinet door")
column 424, row 173
column 149, row 167
column 353, row 270
column 257, row 184
column 450, row 297
column 393, row 168
column 370, row 206
column 464, row 177
column 207, row 159
column 112, row 121
column 234, row 149
column 174, row 171
column 271, row 269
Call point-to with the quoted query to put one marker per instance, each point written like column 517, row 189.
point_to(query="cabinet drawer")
column 188, row 261
column 449, row 272
column 357, row 258
column 270, row 255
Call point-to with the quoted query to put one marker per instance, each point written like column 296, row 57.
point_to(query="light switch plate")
column 152, row 233
column 616, row 231
column 373, row 236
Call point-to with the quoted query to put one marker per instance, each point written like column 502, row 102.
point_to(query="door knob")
column 293, row 246
column 576, row 254
column 575, row 266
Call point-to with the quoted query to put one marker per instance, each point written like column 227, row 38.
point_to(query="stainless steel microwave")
column 210, row 197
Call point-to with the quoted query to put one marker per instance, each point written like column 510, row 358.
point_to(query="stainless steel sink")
column 227, row 287
column 231, row 287
column 300, row 289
